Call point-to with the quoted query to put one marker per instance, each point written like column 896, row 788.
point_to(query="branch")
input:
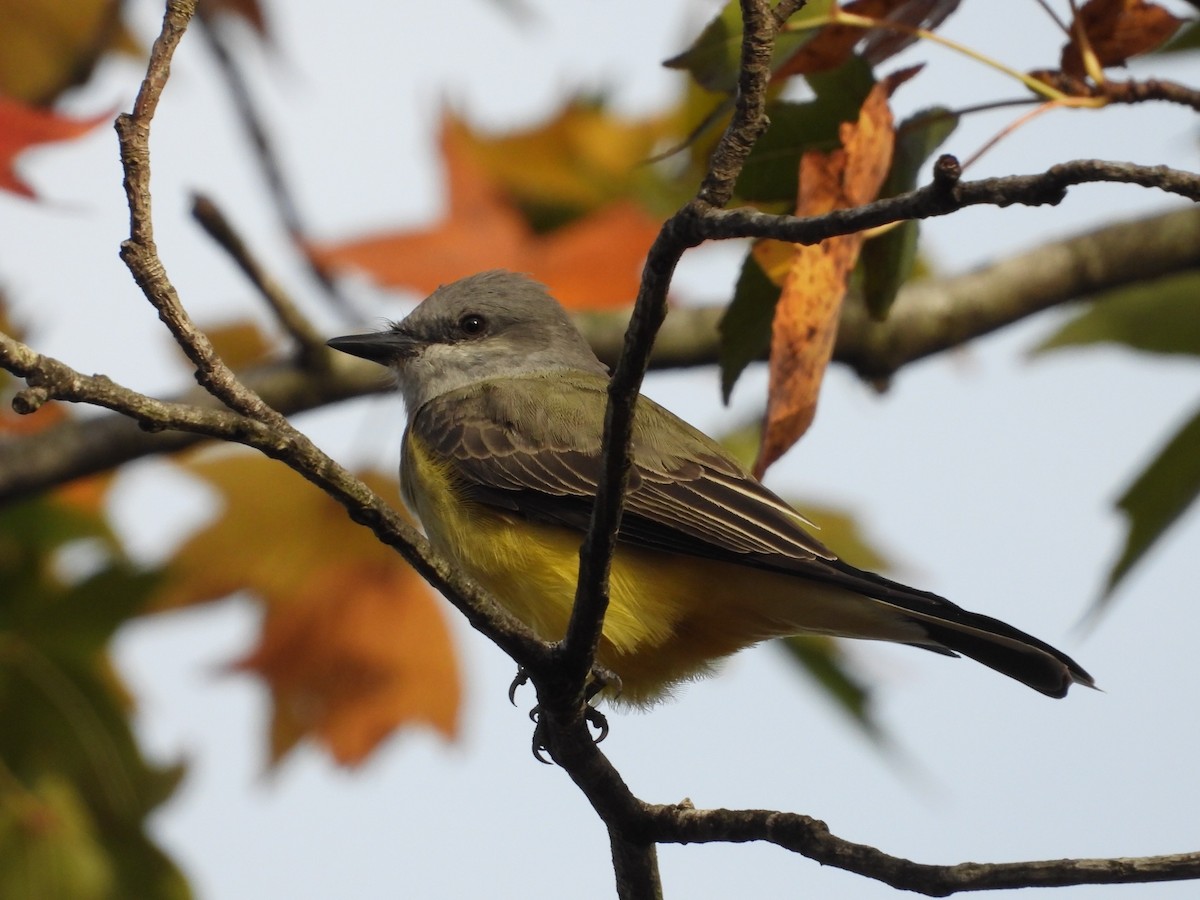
column 252, row 421
column 678, row 234
column 309, row 341
column 945, row 196
column 812, row 838
column 268, row 160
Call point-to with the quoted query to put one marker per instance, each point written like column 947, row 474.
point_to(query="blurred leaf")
column 1161, row 316
column 49, row 846
column 24, row 127
column 714, row 57
column 1117, row 30
column 1159, row 496
column 47, row 46
column 484, row 229
column 887, row 260
column 356, row 654
column 809, row 307
column 353, row 643
column 581, row 159
column 746, row 325
column 822, row 660
column 772, row 170
column 240, row 344
column 74, row 788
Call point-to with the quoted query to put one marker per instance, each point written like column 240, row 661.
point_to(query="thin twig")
column 268, row 160
column 309, row 341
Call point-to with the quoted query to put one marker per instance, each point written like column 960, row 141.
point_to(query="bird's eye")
column 472, row 324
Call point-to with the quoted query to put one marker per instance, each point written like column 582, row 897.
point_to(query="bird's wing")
column 531, row 447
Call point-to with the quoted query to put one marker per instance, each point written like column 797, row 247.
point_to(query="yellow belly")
column 670, row 617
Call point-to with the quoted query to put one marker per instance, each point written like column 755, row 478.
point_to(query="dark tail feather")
column 1009, row 651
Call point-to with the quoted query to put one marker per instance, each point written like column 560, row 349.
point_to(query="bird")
column 501, row 460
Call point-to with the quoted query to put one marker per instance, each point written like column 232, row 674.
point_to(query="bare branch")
column 812, row 838
column 941, row 198
column 268, row 160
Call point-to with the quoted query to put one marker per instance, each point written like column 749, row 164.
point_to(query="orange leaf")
column 360, row 649
column 1116, row 30
column 240, row 343
column 594, row 262
column 806, row 316
column 22, row 127
column 353, row 643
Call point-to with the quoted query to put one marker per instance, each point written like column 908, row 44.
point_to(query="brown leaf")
column 592, row 263
column 23, row 127
column 1116, row 30
column 353, row 643
column 815, row 282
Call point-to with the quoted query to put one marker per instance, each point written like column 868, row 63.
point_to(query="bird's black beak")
column 384, row 347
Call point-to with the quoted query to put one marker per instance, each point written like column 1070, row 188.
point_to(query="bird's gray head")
column 491, row 325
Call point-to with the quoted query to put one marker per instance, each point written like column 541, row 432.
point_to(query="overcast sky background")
column 987, row 476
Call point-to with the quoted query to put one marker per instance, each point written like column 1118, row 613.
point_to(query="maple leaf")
column 351, row 656
column 353, row 644
column 1116, row 30
column 814, row 277
column 23, row 127
column 593, row 262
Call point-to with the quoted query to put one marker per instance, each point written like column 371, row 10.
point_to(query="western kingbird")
column 500, row 463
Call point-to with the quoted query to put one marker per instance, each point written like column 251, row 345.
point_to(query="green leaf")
column 772, row 170
column 1185, row 39
column 1159, row 496
column 1161, row 316
column 49, row 844
column 746, row 326
column 714, row 57
column 69, row 758
column 888, row 260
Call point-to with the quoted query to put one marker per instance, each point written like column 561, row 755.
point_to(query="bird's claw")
column 520, row 680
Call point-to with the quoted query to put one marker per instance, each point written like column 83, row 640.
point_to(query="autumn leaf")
column 23, row 127
column 353, row 654
column 241, row 343
column 594, row 262
column 816, row 277
column 575, row 162
column 353, row 644
column 1115, row 31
